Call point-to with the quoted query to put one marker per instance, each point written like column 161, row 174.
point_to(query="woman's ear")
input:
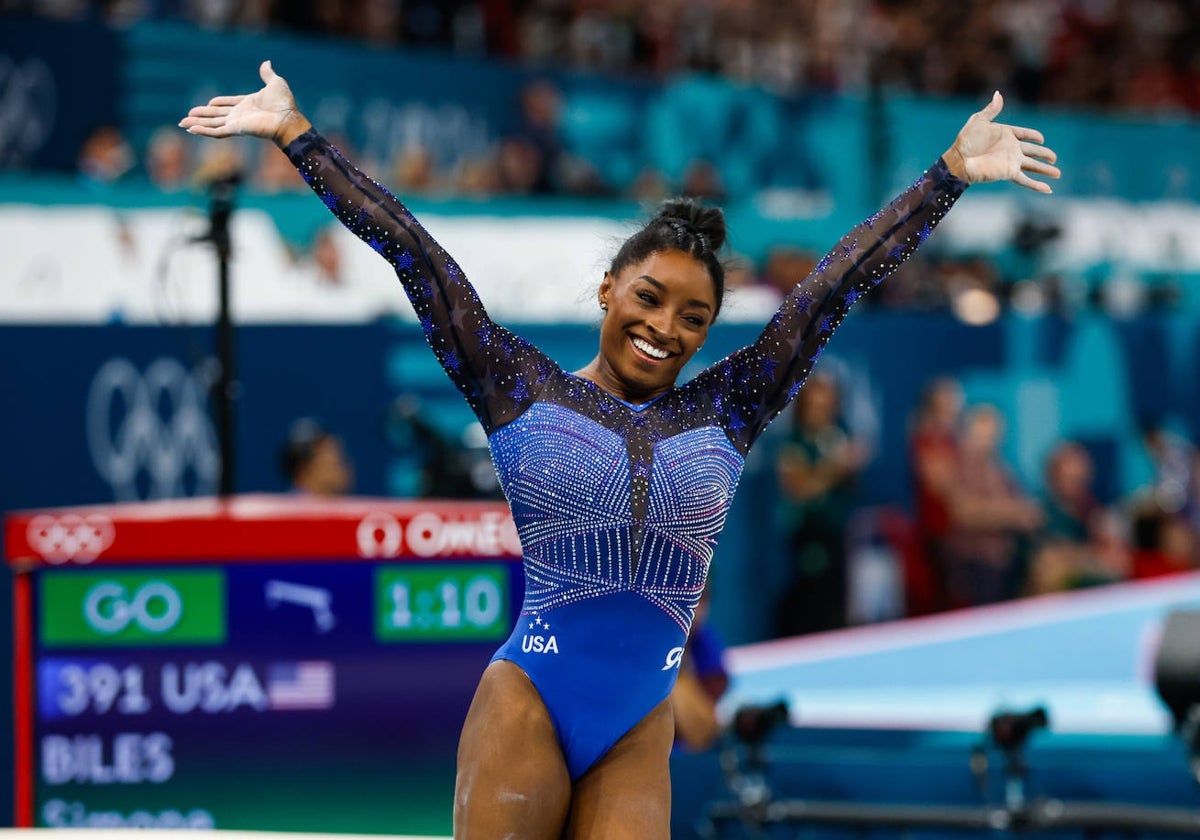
column 605, row 289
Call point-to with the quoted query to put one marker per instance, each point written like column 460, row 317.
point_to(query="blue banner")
column 58, row 83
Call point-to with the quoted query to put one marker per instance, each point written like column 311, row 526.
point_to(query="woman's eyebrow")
column 658, row 284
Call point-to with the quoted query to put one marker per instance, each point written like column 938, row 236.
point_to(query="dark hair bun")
column 706, row 222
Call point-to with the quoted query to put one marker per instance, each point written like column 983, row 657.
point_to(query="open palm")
column 261, row 114
column 992, row 151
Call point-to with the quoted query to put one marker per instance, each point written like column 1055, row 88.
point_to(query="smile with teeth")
column 649, row 349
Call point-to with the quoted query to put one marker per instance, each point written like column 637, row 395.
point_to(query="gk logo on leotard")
column 674, row 657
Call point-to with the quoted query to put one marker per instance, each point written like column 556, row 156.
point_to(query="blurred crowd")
column 1103, row 54
column 1127, row 55
column 974, row 534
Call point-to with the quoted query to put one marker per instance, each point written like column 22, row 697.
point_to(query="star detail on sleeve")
column 736, row 423
column 795, row 389
column 828, row 323
column 404, row 260
column 824, row 263
column 376, row 244
column 852, row 296
column 768, row 368
column 897, row 253
column 519, row 391
column 924, row 232
column 427, row 324
column 804, row 300
column 873, row 218
column 330, row 200
column 484, row 333
column 361, row 217
column 453, row 271
column 847, row 250
column 450, row 361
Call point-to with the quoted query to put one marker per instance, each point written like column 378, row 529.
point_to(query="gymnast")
column 619, row 479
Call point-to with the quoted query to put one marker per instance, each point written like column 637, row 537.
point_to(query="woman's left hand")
column 986, row 150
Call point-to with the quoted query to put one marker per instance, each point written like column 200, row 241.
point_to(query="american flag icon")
column 300, row 685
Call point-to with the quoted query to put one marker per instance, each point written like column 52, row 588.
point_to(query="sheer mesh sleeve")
column 754, row 384
column 499, row 373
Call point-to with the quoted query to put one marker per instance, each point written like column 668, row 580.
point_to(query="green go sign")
column 92, row 608
column 436, row 603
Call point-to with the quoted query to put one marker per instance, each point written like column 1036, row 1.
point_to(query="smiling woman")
column 619, row 479
column 657, row 314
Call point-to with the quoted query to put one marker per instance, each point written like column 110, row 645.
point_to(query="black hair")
column 302, row 441
column 682, row 224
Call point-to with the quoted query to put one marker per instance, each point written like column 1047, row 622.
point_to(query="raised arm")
column 762, row 378
column 498, row 372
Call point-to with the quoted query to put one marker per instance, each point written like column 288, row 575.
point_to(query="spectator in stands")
column 933, row 449
column 327, row 257
column 702, row 179
column 1164, row 544
column 991, row 518
column 168, row 160
column 273, row 174
column 477, row 176
column 816, row 468
column 519, row 166
column 106, row 156
column 701, row 684
column 1173, row 488
column 541, row 106
column 314, row 461
column 784, row 267
column 1080, row 543
column 414, row 170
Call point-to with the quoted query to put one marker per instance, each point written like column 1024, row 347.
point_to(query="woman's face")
column 659, row 312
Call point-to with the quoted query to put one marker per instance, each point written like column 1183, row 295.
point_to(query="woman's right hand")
column 269, row 113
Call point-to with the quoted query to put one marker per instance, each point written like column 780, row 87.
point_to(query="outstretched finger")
column 1041, row 152
column 208, row 122
column 1021, row 179
column 209, row 131
column 266, row 72
column 1041, row 168
column 204, row 111
column 1029, row 134
column 226, row 101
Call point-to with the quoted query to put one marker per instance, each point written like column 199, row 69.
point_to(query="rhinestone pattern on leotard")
column 606, row 496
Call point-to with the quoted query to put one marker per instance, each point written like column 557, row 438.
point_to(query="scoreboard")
column 261, row 662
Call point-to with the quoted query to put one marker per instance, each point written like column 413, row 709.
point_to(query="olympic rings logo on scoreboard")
column 57, row 539
column 155, row 607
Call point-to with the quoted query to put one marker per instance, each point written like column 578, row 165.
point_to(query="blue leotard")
column 618, row 506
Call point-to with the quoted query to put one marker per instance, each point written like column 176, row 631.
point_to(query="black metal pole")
column 225, row 389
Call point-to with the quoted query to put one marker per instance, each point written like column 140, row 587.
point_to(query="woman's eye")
column 646, row 296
